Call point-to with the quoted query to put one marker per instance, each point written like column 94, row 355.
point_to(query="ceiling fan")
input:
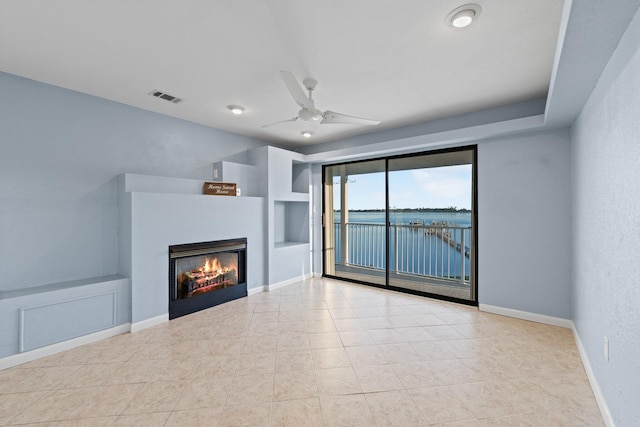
column 308, row 111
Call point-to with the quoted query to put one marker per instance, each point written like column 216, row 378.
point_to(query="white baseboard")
column 288, row 282
column 275, row 286
column 257, row 290
column 147, row 323
column 28, row 356
column 525, row 315
column 595, row 387
column 282, row 284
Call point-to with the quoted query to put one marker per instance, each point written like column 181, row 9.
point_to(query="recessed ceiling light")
column 306, row 133
column 236, row 109
column 464, row 15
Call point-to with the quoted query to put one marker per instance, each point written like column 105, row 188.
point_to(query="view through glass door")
column 405, row 222
column 354, row 219
column 430, row 233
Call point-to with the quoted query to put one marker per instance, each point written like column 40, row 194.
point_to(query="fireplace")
column 202, row 275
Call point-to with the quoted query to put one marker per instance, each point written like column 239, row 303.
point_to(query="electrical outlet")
column 606, row 349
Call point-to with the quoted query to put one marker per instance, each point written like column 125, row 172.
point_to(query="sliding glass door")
column 405, row 222
column 354, row 221
column 430, row 209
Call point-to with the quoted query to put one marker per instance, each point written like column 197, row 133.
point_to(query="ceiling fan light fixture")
column 306, row 133
column 463, row 16
column 236, row 109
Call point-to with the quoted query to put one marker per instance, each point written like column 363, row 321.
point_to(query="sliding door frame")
column 474, row 227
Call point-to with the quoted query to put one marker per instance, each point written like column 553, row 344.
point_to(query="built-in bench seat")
column 34, row 318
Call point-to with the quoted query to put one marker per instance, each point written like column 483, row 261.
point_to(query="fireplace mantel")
column 150, row 222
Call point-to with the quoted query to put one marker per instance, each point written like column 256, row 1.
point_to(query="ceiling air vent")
column 165, row 96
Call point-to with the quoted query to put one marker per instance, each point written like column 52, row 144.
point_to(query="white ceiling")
column 394, row 61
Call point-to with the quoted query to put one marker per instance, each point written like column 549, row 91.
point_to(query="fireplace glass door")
column 202, row 275
column 197, row 275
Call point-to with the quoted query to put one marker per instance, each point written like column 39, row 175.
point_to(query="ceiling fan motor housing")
column 308, row 115
column 305, row 114
column 309, row 112
column 309, row 83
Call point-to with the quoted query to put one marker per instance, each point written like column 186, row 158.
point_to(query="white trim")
column 28, row 356
column 275, row 286
column 525, row 315
column 595, row 387
column 288, row 282
column 147, row 323
column 256, row 290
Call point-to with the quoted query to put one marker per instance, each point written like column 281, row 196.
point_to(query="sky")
column 439, row 187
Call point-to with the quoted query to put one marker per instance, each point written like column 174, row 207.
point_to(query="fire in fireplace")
column 205, row 274
column 198, row 275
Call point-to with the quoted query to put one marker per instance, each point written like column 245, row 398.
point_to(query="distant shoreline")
column 445, row 210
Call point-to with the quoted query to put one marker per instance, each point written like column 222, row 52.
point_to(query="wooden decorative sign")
column 219, row 188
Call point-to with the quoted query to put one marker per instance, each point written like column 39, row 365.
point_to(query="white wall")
column 60, row 152
column 524, row 242
column 606, row 228
column 316, row 217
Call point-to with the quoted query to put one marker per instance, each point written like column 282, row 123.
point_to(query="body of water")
column 412, row 249
column 462, row 219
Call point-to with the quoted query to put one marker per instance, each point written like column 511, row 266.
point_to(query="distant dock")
column 445, row 235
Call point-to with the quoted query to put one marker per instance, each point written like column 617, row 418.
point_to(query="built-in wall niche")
column 291, row 223
column 244, row 176
column 300, row 177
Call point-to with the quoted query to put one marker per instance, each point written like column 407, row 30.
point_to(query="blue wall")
column 160, row 220
column 606, row 228
column 524, row 226
column 60, row 152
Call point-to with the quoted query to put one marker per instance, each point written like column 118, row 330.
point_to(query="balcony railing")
column 437, row 250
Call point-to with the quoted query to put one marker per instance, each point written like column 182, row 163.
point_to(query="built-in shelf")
column 244, row 176
column 279, row 245
column 299, row 177
column 283, row 179
column 291, row 222
column 133, row 183
column 295, row 197
column 50, row 287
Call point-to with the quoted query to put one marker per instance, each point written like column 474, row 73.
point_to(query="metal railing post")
column 462, row 256
column 395, row 244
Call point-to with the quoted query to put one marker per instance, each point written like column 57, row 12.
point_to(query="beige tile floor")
column 321, row 352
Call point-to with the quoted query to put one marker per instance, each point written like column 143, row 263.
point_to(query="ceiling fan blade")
column 332, row 117
column 281, row 121
column 295, row 90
